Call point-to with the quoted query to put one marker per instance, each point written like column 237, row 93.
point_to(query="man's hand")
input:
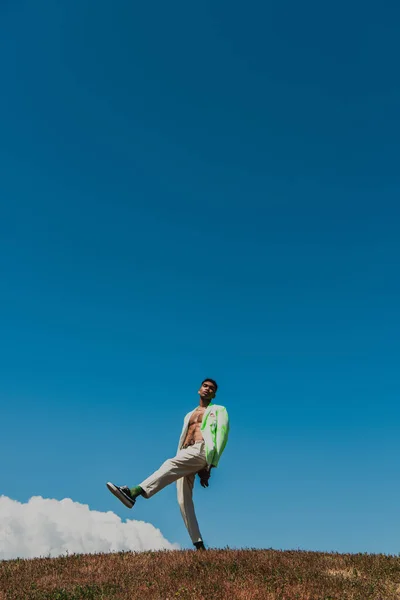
column 204, row 475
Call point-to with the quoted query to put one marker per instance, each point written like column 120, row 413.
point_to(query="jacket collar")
column 205, row 412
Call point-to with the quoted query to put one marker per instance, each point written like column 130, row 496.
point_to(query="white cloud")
column 46, row 527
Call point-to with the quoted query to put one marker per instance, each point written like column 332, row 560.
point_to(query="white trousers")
column 182, row 469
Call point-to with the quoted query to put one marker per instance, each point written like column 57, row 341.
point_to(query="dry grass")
column 215, row 574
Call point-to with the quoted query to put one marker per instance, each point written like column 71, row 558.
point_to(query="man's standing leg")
column 185, row 500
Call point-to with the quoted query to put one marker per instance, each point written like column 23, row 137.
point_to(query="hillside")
column 215, row 574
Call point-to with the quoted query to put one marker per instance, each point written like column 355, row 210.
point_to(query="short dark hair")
column 215, row 384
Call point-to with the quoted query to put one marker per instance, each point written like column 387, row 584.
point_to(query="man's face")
column 207, row 390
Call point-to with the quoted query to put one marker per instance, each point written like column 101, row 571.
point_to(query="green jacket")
column 214, row 429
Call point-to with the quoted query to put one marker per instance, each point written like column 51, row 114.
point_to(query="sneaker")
column 199, row 545
column 123, row 493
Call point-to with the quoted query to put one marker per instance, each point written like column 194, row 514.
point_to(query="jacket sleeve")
column 182, row 432
column 222, row 433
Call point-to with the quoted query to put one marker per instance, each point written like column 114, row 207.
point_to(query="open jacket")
column 214, row 429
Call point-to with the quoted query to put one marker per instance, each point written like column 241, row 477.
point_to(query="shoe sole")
column 114, row 490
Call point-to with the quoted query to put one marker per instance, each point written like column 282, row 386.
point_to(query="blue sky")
column 204, row 190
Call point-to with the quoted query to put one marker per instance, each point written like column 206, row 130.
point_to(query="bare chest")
column 197, row 416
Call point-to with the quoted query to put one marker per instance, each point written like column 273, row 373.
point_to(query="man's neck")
column 204, row 403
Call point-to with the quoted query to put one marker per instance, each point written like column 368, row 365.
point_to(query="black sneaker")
column 199, row 545
column 123, row 493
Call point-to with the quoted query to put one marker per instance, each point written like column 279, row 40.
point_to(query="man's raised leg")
column 187, row 461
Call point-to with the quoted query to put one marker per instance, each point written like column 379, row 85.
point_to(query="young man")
column 203, row 439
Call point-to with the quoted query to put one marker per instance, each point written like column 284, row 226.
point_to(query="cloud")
column 46, row 527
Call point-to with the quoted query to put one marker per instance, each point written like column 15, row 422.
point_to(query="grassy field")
column 212, row 575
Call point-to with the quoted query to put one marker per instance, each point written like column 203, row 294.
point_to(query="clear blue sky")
column 204, row 189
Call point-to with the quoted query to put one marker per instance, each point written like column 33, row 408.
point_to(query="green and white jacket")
column 214, row 429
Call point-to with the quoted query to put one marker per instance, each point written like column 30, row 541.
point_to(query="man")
column 203, row 439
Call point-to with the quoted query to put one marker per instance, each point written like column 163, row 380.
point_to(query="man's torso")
column 193, row 433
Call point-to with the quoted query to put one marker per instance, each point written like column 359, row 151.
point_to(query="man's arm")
column 222, row 433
